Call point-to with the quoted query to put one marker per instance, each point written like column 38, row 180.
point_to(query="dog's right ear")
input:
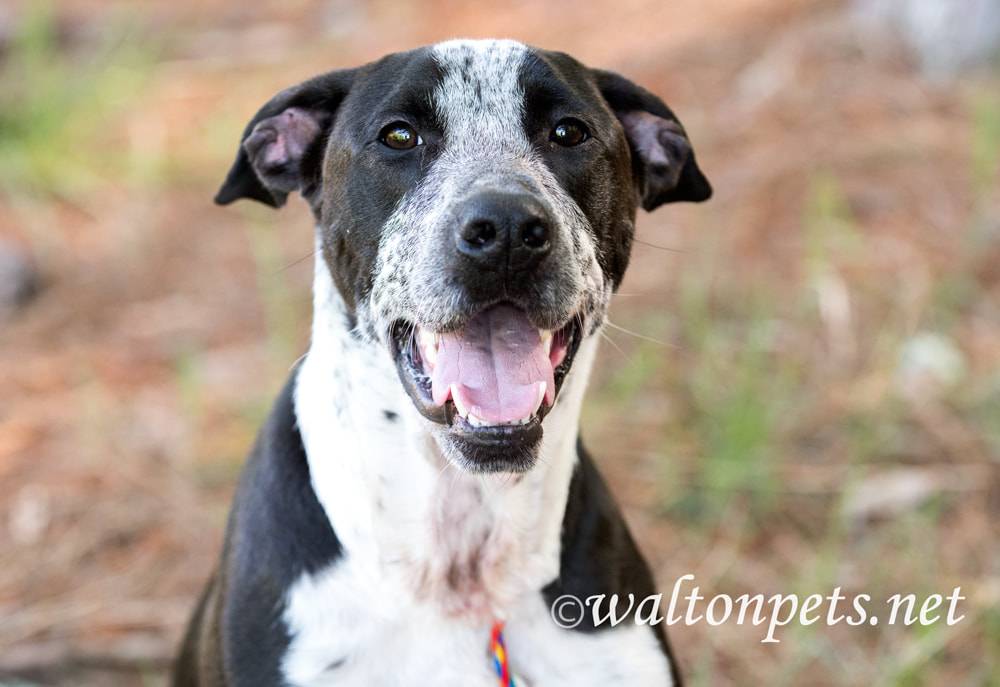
column 663, row 161
column 282, row 146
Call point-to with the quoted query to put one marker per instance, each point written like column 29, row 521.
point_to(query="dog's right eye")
column 400, row 136
column 569, row 132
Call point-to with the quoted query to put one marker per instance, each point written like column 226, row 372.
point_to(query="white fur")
column 432, row 555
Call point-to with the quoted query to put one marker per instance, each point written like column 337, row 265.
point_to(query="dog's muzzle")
column 490, row 378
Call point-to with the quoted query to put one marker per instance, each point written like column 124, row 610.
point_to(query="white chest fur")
column 340, row 640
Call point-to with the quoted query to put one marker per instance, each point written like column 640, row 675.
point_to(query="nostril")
column 479, row 233
column 535, row 235
column 512, row 230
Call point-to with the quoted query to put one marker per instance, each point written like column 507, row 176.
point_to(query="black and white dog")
column 420, row 478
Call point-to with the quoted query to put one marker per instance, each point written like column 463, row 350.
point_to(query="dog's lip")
column 410, row 345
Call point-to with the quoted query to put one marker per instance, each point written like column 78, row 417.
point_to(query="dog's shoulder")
column 599, row 555
column 277, row 531
column 278, row 505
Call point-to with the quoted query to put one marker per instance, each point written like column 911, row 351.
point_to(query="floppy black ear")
column 282, row 146
column 662, row 159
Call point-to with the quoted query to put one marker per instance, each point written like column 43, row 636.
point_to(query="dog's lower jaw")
column 419, row 527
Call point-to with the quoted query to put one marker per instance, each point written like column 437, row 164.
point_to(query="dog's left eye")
column 400, row 136
column 570, row 132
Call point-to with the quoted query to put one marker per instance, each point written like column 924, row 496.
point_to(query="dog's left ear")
column 282, row 146
column 663, row 162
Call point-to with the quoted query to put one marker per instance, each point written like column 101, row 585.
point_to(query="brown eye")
column 400, row 136
column 569, row 132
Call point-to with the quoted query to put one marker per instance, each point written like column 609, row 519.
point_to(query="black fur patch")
column 598, row 553
column 277, row 531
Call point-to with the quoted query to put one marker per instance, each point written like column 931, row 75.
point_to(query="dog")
column 419, row 496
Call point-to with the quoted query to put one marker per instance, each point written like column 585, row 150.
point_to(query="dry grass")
column 823, row 409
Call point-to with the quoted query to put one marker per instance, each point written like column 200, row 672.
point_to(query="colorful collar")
column 499, row 652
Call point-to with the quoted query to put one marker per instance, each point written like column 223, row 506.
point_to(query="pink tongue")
column 496, row 365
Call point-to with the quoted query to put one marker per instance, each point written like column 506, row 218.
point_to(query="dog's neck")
column 469, row 544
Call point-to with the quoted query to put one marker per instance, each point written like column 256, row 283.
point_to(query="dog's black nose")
column 499, row 230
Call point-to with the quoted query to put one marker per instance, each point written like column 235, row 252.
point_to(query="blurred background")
column 800, row 388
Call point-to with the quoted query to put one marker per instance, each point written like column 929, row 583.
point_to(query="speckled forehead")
column 480, row 84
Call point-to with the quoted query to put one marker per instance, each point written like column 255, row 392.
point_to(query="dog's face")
column 476, row 203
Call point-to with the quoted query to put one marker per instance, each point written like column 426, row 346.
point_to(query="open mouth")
column 493, row 380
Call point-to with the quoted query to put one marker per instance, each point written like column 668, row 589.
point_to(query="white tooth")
column 546, row 335
column 429, row 345
column 462, row 410
column 541, row 397
column 476, row 421
column 428, row 338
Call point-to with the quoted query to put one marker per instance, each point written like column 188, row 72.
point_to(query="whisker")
column 444, row 468
column 611, row 341
column 641, row 336
column 658, row 247
column 485, row 483
column 302, row 259
column 454, row 479
column 507, row 478
column 542, row 458
column 598, row 292
column 297, row 361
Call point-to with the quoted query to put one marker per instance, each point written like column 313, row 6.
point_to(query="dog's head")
column 476, row 206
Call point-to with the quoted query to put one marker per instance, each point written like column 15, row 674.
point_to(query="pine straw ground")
column 809, row 398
